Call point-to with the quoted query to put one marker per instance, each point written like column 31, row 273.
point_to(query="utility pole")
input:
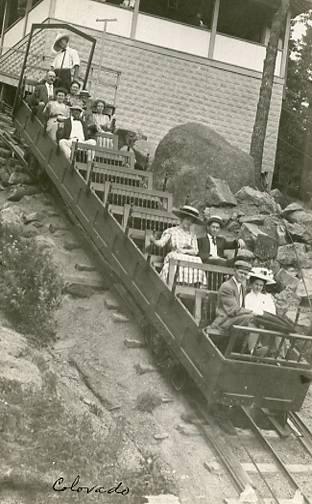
column 105, row 21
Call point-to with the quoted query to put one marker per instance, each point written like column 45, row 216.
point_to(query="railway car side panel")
column 267, row 386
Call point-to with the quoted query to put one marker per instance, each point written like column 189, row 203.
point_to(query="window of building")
column 195, row 12
column 246, row 19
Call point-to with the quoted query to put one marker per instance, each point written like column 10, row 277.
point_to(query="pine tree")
column 293, row 167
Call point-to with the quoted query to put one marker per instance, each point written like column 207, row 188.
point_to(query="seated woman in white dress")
column 183, row 246
column 259, row 302
column 54, row 112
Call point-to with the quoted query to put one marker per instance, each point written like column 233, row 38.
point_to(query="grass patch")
column 31, row 286
column 41, row 439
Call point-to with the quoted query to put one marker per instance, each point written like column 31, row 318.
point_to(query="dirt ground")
column 85, row 420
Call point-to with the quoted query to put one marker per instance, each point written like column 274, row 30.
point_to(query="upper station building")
column 174, row 61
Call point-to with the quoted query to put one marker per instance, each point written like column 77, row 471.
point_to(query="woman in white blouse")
column 183, row 246
column 259, row 302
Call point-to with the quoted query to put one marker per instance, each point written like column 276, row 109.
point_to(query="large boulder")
column 189, row 153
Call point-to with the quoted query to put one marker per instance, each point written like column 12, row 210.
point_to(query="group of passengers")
column 69, row 113
column 240, row 298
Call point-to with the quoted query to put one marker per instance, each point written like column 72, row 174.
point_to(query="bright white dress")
column 177, row 239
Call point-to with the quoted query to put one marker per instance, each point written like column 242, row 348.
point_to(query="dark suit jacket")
column 222, row 245
column 228, row 305
column 40, row 94
column 65, row 131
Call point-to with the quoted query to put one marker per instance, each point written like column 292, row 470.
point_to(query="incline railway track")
column 270, row 481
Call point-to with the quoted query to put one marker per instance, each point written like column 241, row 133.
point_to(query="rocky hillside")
column 279, row 234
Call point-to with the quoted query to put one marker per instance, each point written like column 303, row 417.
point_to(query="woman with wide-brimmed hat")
column 183, row 246
column 260, row 302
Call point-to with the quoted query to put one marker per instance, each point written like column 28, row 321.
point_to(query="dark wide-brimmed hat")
column 56, row 44
column 188, row 211
column 242, row 265
column 214, row 218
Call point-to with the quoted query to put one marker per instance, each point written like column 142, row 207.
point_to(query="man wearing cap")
column 231, row 299
column 65, row 61
column 73, row 129
column 211, row 246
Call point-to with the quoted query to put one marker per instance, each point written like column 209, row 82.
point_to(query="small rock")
column 263, row 246
column 260, row 201
column 191, row 418
column 161, row 437
column 78, row 290
column 188, row 430
column 293, row 207
column 213, row 467
column 286, row 301
column 53, row 228
column 19, row 178
column 110, row 302
column 219, row 193
column 287, row 255
column 118, row 317
column 20, row 192
column 32, row 217
column 70, row 245
column 51, row 213
column 299, row 232
column 301, row 217
column 132, row 343
column 286, row 278
column 252, row 219
column 144, row 368
column 84, row 267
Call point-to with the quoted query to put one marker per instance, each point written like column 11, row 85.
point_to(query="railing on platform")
column 281, row 348
column 119, row 195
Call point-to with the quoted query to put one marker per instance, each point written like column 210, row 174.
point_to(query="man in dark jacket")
column 73, row 129
column 211, row 247
column 43, row 92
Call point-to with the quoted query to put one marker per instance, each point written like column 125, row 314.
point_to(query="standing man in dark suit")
column 43, row 92
column 211, row 247
column 231, row 300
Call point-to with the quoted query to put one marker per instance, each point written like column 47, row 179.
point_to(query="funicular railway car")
column 118, row 210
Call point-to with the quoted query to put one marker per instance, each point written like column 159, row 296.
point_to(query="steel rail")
column 276, row 457
column 302, row 432
column 216, row 440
